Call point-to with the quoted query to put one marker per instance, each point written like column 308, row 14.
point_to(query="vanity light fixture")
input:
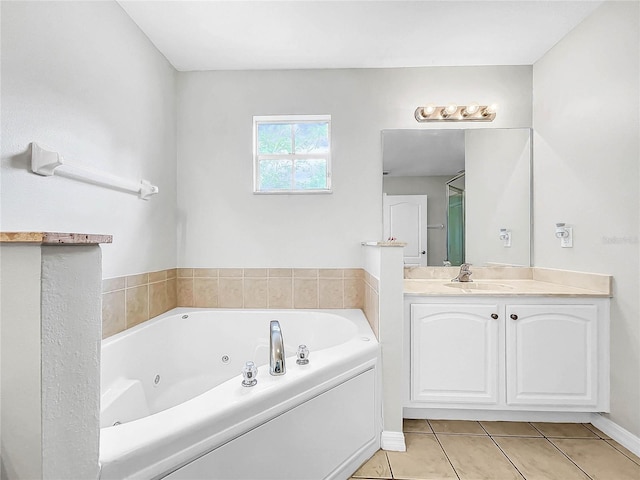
column 452, row 112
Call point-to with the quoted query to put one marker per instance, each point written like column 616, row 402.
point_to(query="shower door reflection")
column 455, row 220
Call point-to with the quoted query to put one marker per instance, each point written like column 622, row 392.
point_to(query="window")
column 292, row 154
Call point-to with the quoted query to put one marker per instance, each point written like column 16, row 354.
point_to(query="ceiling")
column 266, row 34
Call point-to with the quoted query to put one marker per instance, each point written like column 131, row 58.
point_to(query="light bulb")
column 449, row 110
column 428, row 110
column 471, row 109
column 490, row 110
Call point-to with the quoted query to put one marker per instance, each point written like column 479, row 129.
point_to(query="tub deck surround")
column 506, row 281
column 160, row 443
column 54, row 238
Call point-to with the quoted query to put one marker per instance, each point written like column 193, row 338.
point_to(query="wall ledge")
column 383, row 244
column 54, row 238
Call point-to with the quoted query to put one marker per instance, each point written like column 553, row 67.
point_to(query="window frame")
column 285, row 119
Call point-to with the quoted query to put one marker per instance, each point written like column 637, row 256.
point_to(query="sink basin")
column 495, row 287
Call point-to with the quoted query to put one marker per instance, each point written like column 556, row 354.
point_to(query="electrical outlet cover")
column 567, row 242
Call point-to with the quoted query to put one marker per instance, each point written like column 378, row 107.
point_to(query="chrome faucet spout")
column 276, row 350
column 465, row 274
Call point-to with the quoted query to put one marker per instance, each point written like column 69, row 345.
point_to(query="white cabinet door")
column 405, row 219
column 454, row 353
column 552, row 355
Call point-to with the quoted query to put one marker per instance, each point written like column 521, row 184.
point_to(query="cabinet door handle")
column 494, row 316
column 513, row 316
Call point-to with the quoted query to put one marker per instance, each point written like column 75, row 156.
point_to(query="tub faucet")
column 464, row 274
column 276, row 350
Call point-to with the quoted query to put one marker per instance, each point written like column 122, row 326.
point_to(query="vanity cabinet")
column 522, row 353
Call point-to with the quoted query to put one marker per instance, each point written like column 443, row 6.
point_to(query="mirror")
column 477, row 184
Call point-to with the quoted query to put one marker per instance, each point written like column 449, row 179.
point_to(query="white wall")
column 498, row 195
column 81, row 78
column 71, row 336
column 21, row 415
column 222, row 224
column 586, row 173
column 51, row 328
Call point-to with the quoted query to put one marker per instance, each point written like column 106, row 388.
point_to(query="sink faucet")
column 464, row 274
column 276, row 350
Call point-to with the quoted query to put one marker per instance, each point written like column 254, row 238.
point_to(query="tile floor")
column 454, row 449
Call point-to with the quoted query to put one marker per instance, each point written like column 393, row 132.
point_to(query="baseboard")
column 392, row 441
column 352, row 464
column 497, row 415
column 617, row 433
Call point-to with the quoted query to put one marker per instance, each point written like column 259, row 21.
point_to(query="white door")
column 455, row 353
column 552, row 355
column 405, row 219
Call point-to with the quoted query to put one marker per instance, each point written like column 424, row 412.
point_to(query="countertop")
column 508, row 287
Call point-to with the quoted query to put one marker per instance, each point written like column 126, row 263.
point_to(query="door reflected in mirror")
column 476, row 182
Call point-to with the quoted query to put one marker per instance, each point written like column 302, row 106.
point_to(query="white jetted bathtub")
column 173, row 404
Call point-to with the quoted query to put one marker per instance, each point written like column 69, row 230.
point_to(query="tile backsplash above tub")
column 270, row 288
column 128, row 301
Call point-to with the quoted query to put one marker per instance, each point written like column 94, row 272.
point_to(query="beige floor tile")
column 423, row 460
column 538, row 459
column 477, row 458
column 625, row 451
column 457, row 426
column 598, row 432
column 516, row 429
column 416, row 426
column 376, row 467
column 598, row 459
column 564, row 430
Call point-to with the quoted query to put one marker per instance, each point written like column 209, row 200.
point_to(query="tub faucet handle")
column 303, row 355
column 249, row 374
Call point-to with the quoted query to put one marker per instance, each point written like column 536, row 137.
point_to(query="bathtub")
column 173, row 405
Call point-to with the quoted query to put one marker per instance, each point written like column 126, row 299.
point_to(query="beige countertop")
column 496, row 287
column 507, row 281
